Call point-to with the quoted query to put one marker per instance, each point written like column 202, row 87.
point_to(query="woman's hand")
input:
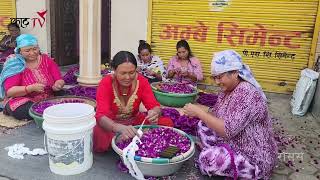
column 181, row 73
column 126, row 132
column 153, row 115
column 36, row 87
column 184, row 73
column 171, row 73
column 58, row 85
column 150, row 73
column 192, row 110
column 177, row 70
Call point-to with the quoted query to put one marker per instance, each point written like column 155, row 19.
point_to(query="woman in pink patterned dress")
column 28, row 77
column 184, row 67
column 236, row 134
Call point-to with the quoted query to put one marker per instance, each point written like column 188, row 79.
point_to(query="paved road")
column 37, row 167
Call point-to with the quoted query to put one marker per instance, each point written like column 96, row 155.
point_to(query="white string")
column 129, row 153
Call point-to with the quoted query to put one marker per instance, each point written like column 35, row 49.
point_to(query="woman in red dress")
column 118, row 98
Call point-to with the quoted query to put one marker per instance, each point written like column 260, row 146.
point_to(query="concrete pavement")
column 37, row 167
column 299, row 134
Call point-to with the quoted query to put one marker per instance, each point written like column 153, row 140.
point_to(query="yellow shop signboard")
column 274, row 37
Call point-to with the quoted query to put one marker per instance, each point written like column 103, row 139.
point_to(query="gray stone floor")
column 301, row 134
column 37, row 167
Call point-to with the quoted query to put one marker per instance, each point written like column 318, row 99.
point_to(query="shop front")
column 274, row 37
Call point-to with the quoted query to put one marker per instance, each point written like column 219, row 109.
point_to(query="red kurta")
column 108, row 104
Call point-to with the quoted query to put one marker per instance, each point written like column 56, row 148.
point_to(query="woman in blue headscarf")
column 27, row 77
column 236, row 134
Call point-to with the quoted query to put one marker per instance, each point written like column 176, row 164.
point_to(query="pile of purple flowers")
column 105, row 72
column 184, row 123
column 83, row 91
column 180, row 88
column 155, row 140
column 70, row 79
column 207, row 99
column 40, row 107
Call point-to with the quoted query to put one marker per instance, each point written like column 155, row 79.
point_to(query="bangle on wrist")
column 26, row 90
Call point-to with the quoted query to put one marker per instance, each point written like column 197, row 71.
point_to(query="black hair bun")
column 142, row 42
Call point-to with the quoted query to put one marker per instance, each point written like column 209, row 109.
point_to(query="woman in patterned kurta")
column 184, row 67
column 28, row 77
column 236, row 134
column 149, row 65
column 118, row 98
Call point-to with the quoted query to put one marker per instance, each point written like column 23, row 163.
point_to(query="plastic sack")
column 304, row 92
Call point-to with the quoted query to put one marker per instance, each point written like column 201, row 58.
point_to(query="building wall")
column 128, row 24
column 29, row 9
column 316, row 101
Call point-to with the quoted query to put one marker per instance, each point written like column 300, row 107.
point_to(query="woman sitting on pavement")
column 149, row 65
column 8, row 42
column 27, row 77
column 118, row 98
column 184, row 67
column 236, row 134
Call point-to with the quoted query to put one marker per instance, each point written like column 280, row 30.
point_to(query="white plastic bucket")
column 68, row 137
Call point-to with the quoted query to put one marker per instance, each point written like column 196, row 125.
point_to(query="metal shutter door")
column 273, row 37
column 7, row 11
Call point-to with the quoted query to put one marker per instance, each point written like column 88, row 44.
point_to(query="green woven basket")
column 38, row 117
column 173, row 99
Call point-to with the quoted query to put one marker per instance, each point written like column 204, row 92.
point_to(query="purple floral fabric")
column 248, row 129
column 217, row 161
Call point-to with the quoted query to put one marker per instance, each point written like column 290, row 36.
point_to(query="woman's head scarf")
column 25, row 40
column 230, row 60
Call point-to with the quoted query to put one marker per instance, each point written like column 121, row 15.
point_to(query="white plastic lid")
column 68, row 111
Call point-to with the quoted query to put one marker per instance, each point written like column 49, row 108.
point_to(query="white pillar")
column 90, row 42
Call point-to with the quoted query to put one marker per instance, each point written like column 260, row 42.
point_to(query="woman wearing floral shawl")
column 236, row 134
